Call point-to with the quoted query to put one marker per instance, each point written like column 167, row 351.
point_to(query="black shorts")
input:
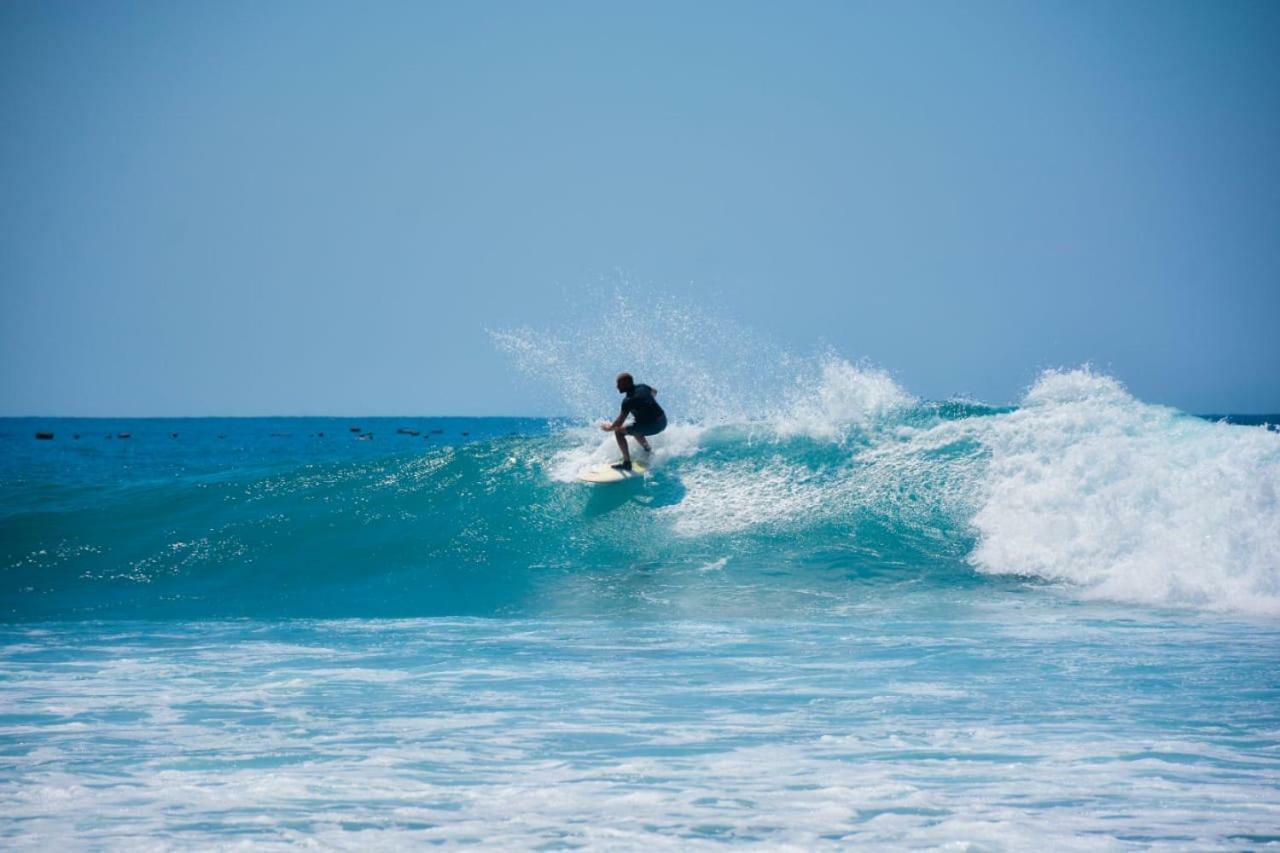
column 652, row 428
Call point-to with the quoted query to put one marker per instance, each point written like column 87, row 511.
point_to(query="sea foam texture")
column 1130, row 501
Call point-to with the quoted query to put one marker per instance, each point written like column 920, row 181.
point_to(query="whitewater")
column 848, row 617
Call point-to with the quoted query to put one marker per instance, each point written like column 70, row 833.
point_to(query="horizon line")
column 1215, row 414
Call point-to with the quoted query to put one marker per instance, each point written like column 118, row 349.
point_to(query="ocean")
column 855, row 619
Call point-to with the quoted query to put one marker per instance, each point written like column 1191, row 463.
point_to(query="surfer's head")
column 625, row 383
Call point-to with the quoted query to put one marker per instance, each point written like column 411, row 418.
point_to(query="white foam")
column 729, row 497
column 657, row 736
column 1131, row 501
column 840, row 396
column 824, row 401
column 589, row 446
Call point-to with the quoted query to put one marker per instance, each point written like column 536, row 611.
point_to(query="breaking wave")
column 848, row 487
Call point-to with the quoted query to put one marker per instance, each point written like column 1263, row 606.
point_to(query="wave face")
column 850, row 491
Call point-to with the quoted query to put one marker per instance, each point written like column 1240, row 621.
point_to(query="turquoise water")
column 859, row 619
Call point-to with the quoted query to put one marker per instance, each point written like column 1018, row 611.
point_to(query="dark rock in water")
column 279, row 435
column 466, row 433
column 221, row 435
column 320, row 434
column 173, row 435
column 124, row 435
column 355, row 429
column 437, row 432
column 76, row 436
column 44, row 436
column 406, row 431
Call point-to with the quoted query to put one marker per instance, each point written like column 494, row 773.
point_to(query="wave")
column 785, row 485
column 853, row 490
column 1080, row 484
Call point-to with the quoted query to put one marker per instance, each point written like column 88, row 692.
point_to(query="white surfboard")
column 606, row 473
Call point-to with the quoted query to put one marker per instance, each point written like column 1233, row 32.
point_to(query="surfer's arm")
column 617, row 422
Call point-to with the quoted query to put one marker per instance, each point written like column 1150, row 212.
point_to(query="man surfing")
column 647, row 418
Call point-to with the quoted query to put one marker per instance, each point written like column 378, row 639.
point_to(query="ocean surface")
column 859, row 618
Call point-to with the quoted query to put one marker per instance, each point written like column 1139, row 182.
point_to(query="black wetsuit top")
column 639, row 402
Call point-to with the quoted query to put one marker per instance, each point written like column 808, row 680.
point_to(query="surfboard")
column 606, row 473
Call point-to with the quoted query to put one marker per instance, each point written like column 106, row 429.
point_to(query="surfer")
column 647, row 418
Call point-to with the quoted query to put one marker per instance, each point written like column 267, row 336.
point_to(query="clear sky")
column 240, row 208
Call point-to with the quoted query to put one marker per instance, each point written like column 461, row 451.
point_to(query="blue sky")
column 244, row 208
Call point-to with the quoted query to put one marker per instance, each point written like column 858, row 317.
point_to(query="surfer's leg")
column 639, row 432
column 622, row 445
